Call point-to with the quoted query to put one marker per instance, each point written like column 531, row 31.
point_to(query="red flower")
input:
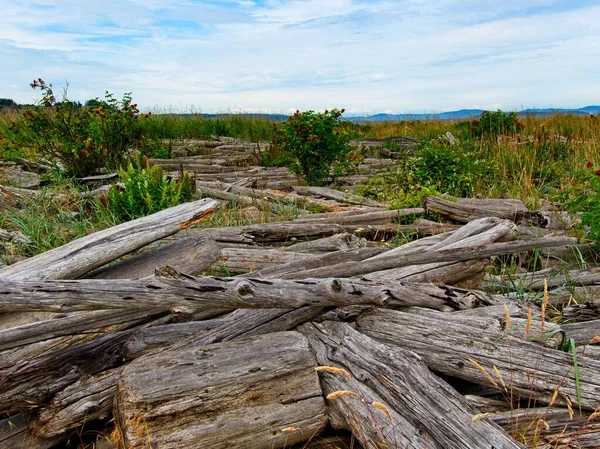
column 326, row 111
column 597, row 173
column 343, row 110
column 589, row 164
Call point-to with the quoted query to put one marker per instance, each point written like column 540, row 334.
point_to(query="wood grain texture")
column 259, row 392
column 479, row 354
column 422, row 410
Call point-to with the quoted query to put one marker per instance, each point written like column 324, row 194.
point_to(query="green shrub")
column 493, row 124
column 315, row 141
column 583, row 198
column 146, row 189
column 437, row 168
column 82, row 139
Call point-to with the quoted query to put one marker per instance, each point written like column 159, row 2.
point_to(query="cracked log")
column 486, row 356
column 80, row 256
column 259, row 392
column 394, row 400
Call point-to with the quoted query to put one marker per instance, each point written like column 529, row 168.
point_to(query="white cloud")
column 403, row 56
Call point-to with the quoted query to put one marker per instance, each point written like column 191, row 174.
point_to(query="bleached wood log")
column 589, row 310
column 337, row 242
column 193, row 293
column 88, row 399
column 487, row 357
column 260, row 392
column 16, row 434
column 386, row 262
column 191, row 255
column 88, row 253
column 365, row 218
column 395, row 401
column 342, row 197
column 464, row 210
column 583, row 332
column 244, row 260
column 28, row 383
column 289, row 270
column 74, row 324
column 553, row 277
column 551, row 428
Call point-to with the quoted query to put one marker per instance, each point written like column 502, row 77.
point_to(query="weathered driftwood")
column 583, row 332
column 88, row 399
column 29, row 383
column 488, row 357
column 15, row 433
column 244, row 260
column 193, row 293
column 390, row 398
column 289, row 270
column 191, row 255
column 260, row 392
column 337, row 242
column 363, row 218
column 88, row 253
column 550, row 428
column 464, row 210
column 269, row 195
column 342, row 197
column 386, row 262
column 74, row 324
column 589, row 310
column 553, row 277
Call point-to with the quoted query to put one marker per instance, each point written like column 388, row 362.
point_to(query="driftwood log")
column 488, row 357
column 389, row 398
column 74, row 259
column 260, row 392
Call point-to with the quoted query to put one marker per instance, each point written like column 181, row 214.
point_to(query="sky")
column 367, row 56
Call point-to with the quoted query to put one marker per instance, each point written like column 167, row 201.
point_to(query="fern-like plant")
column 145, row 189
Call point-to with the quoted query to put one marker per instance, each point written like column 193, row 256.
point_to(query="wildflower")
column 597, row 173
column 589, row 164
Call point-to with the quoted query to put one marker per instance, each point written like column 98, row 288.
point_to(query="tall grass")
column 168, row 126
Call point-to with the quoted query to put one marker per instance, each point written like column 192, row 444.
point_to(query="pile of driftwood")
column 313, row 334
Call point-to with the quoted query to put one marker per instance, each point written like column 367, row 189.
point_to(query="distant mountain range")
column 463, row 114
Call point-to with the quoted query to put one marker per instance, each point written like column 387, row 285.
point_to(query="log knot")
column 244, row 289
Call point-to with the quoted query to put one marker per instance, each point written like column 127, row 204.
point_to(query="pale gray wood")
column 290, row 269
column 74, row 324
column 551, row 427
column 377, row 217
column 191, row 255
column 588, row 311
column 259, row 392
column 90, row 252
column 235, row 261
column 582, row 332
column 88, row 399
column 37, row 379
column 464, row 210
column 337, row 242
column 15, row 433
column 386, row 262
column 447, row 346
column 342, row 197
column 193, row 293
column 424, row 411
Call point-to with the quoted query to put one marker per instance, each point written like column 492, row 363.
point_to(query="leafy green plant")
column 316, row 141
column 583, row 198
column 145, row 189
column 492, row 124
column 437, row 168
column 83, row 139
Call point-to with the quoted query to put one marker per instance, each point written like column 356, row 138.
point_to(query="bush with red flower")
column 499, row 123
column 82, row 139
column 315, row 144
